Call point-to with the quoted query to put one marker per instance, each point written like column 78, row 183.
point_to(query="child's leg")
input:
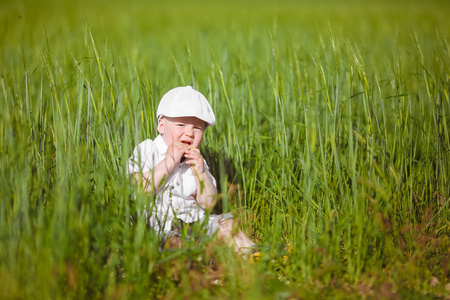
column 233, row 237
column 173, row 239
column 174, row 242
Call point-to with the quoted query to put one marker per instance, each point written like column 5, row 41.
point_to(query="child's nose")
column 189, row 131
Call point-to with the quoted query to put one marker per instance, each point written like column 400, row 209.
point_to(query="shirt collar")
column 160, row 145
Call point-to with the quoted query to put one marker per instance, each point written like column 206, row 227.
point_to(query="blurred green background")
column 332, row 135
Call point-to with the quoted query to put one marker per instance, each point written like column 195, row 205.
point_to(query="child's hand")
column 195, row 159
column 175, row 152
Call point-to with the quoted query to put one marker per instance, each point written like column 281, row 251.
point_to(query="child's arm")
column 205, row 188
column 151, row 179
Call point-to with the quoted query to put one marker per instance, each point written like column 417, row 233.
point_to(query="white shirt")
column 176, row 196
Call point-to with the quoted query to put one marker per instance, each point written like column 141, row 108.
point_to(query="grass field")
column 332, row 134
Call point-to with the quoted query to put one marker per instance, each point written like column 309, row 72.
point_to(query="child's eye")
column 198, row 128
column 180, row 124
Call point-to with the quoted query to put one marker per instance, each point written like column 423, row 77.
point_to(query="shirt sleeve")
column 143, row 158
column 206, row 167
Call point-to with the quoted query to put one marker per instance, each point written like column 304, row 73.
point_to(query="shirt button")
column 178, row 183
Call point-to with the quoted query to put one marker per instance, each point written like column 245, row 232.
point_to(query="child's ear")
column 161, row 126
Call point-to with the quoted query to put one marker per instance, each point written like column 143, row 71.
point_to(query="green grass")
column 332, row 134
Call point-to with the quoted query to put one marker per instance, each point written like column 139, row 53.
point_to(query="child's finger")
column 193, row 150
column 194, row 161
column 192, row 153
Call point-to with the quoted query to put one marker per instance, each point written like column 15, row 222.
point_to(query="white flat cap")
column 186, row 102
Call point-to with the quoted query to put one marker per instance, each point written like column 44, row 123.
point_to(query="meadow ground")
column 332, row 134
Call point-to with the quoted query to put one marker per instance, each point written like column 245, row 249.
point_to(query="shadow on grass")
column 223, row 169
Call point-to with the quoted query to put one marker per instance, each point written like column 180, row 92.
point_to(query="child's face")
column 188, row 130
